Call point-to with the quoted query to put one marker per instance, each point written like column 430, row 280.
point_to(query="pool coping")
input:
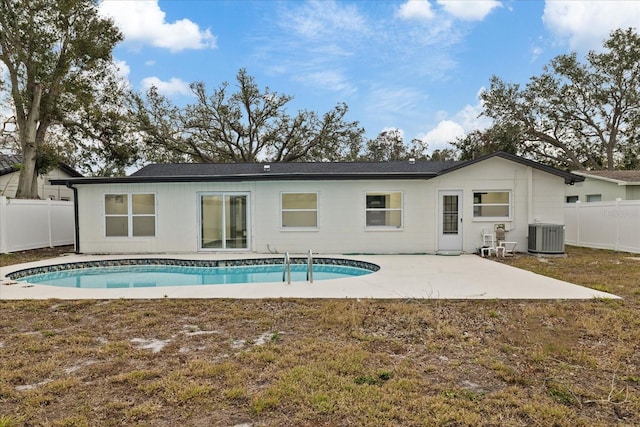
column 17, row 275
column 399, row 277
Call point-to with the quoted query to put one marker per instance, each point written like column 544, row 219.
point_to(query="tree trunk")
column 28, row 130
column 26, row 187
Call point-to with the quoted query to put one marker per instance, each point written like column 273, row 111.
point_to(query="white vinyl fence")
column 606, row 225
column 31, row 224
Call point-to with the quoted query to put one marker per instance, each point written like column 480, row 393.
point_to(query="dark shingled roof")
column 302, row 169
column 8, row 162
column 227, row 172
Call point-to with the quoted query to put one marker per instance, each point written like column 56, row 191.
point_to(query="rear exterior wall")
column 535, row 197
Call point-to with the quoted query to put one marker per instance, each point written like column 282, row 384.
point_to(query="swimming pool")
column 145, row 273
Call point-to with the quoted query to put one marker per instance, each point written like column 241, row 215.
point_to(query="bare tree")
column 248, row 125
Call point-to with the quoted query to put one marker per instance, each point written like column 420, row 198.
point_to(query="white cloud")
column 444, row 132
column 416, row 9
column 466, row 10
column 172, row 87
column 536, row 51
column 144, row 22
column 388, row 104
column 318, row 19
column 330, row 80
column 470, row 119
column 587, row 23
column 463, row 122
column 122, row 69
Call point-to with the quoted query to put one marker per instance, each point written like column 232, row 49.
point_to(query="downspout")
column 75, row 216
column 530, row 213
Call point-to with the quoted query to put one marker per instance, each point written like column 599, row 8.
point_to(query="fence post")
column 617, row 245
column 578, row 223
column 3, row 225
column 50, row 225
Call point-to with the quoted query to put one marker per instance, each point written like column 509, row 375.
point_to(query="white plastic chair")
column 505, row 248
column 488, row 245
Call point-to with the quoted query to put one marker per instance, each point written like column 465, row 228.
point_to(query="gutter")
column 137, row 179
column 75, row 217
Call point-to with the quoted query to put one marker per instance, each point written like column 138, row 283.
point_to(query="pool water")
column 144, row 276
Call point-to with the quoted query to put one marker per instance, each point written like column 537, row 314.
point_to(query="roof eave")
column 605, row 178
column 246, row 177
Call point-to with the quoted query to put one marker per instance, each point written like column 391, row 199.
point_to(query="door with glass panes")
column 224, row 221
column 450, row 221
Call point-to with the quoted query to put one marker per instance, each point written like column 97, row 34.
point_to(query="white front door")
column 450, row 220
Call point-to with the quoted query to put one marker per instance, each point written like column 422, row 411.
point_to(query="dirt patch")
column 33, row 255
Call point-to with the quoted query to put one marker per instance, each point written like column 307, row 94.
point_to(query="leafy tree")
column 389, row 145
column 504, row 137
column 446, row 154
column 577, row 115
column 248, row 125
column 58, row 58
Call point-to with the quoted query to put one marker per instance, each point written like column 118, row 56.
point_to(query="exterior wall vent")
column 546, row 238
column 267, row 168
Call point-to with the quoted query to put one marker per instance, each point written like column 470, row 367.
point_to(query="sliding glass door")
column 224, row 221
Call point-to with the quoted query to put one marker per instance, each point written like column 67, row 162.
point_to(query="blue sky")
column 414, row 65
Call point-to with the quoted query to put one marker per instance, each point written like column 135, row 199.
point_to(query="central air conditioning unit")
column 546, row 238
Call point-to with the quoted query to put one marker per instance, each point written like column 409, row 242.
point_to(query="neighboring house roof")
column 8, row 164
column 69, row 170
column 626, row 177
column 210, row 172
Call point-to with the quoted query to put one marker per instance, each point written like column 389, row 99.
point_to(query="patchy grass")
column 331, row 362
column 35, row 255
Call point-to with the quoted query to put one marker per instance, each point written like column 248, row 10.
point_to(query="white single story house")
column 605, row 186
column 10, row 174
column 356, row 207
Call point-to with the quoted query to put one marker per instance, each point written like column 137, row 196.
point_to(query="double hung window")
column 130, row 215
column 491, row 204
column 383, row 209
column 299, row 210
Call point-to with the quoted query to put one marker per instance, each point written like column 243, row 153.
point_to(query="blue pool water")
column 142, row 276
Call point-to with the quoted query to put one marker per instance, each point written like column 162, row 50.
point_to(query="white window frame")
column 509, row 217
column 316, row 210
column 400, row 209
column 130, row 215
column 590, row 198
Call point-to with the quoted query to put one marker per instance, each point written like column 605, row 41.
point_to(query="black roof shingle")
column 8, row 163
column 292, row 168
column 226, row 172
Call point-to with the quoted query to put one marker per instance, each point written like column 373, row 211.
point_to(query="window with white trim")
column 299, row 210
column 384, row 209
column 491, row 204
column 594, row 198
column 130, row 215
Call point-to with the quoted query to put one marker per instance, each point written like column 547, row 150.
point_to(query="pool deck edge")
column 399, row 277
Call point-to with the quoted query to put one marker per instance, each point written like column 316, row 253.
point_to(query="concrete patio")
column 399, row 277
